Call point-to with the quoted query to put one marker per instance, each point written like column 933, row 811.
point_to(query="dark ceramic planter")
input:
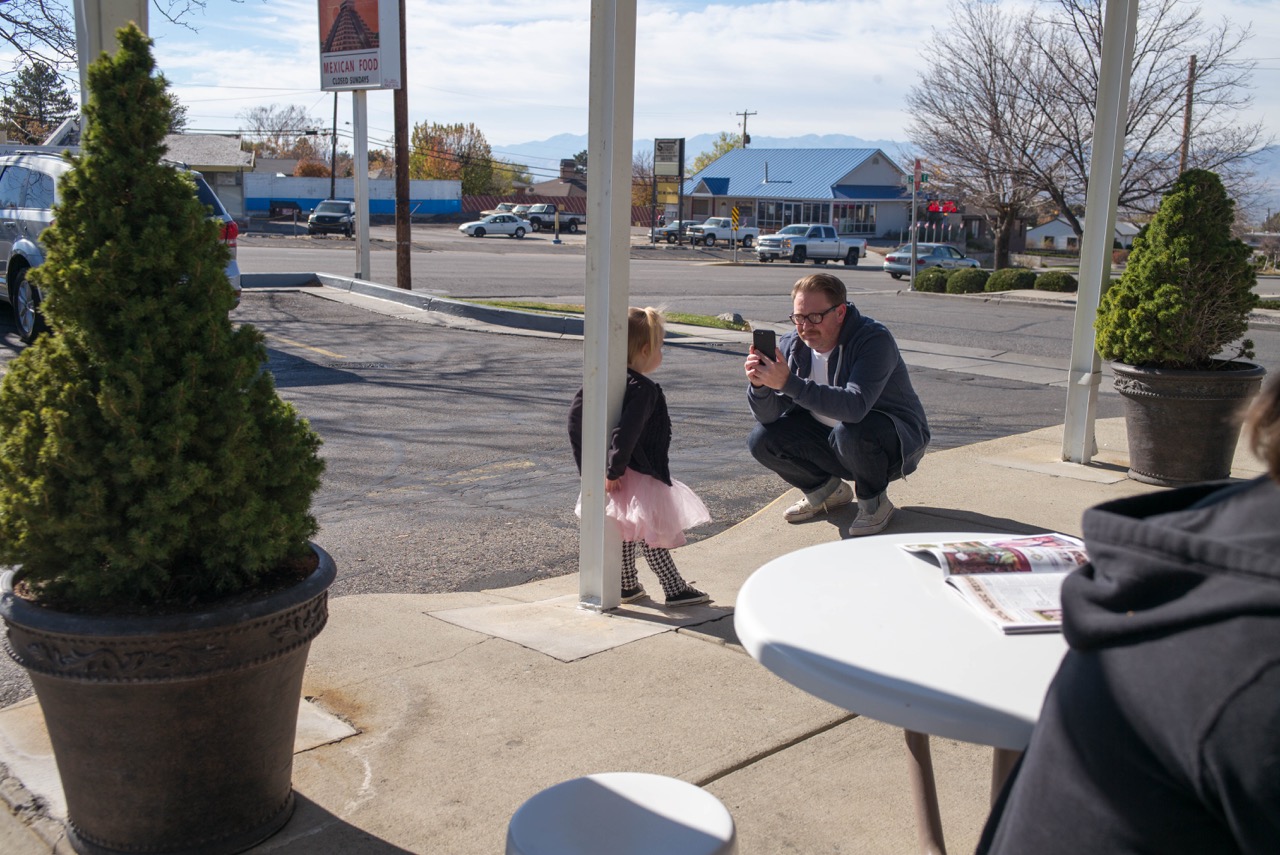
column 173, row 734
column 1183, row 426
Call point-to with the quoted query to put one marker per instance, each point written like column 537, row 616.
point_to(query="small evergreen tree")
column 1187, row 290
column 146, row 461
column 36, row 105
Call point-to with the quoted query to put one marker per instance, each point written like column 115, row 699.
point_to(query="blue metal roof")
column 787, row 173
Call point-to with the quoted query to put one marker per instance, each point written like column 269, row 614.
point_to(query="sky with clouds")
column 519, row 71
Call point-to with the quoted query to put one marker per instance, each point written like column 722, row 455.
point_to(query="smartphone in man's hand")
column 765, row 343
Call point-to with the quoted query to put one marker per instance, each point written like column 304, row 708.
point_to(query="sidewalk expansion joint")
column 776, row 749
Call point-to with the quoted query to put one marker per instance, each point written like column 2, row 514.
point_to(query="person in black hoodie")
column 1160, row 734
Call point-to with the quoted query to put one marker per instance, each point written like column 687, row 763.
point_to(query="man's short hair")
column 822, row 283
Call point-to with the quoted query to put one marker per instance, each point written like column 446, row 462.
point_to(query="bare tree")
column 1059, row 81
column 642, row 179
column 1006, row 109
column 278, row 131
column 971, row 117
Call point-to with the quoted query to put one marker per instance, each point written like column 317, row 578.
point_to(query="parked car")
column 497, row 224
column 29, row 179
column 333, row 215
column 898, row 263
column 673, row 231
column 814, row 242
column 500, row 208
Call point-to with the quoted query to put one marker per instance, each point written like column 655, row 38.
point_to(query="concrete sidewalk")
column 461, row 706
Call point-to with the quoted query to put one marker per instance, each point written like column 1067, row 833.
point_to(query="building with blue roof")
column 859, row 190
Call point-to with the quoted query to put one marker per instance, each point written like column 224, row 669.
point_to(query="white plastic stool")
column 622, row 813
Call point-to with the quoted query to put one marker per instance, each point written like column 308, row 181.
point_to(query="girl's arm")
column 636, row 409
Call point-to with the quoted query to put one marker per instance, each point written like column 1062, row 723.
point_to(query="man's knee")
column 758, row 443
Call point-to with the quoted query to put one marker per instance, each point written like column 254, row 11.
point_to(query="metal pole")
column 609, row 134
column 915, row 185
column 1110, row 116
column 333, row 152
column 360, row 118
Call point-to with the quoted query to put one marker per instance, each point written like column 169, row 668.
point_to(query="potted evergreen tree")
column 1173, row 327
column 155, row 495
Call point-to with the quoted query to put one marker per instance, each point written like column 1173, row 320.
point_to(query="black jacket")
column 642, row 439
column 1161, row 731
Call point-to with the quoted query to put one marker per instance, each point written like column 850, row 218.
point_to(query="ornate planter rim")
column 108, row 649
column 1234, row 369
column 15, row 609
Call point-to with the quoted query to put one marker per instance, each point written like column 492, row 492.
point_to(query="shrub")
column 1057, row 280
column 1011, row 279
column 1186, row 293
column 146, row 461
column 967, row 280
column 932, row 279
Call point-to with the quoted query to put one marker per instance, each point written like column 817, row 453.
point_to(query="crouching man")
column 833, row 404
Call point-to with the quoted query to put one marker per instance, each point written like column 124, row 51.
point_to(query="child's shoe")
column 630, row 595
column 690, row 596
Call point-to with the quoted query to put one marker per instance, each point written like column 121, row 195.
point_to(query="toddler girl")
column 651, row 508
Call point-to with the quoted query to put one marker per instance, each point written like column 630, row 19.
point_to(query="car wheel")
column 851, row 260
column 748, row 242
column 671, row 238
column 709, row 241
column 896, row 275
column 798, row 255
column 26, row 308
column 573, row 227
column 536, row 225
column 478, row 233
column 519, row 233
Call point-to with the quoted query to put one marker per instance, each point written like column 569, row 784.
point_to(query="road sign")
column 924, row 178
column 735, row 217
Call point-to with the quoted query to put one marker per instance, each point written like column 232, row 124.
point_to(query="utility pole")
column 400, row 105
column 1186, row 115
column 745, row 139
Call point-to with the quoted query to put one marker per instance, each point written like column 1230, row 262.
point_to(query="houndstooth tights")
column 660, row 562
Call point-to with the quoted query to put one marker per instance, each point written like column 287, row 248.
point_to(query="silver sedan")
column 898, row 263
column 497, row 224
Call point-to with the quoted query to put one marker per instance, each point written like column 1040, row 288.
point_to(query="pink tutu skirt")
column 647, row 509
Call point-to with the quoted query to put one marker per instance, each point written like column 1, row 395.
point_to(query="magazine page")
column 1036, row 553
column 1015, row 602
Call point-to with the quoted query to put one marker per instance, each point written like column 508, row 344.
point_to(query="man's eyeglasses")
column 813, row 318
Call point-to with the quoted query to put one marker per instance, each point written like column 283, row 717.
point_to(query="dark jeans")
column 806, row 453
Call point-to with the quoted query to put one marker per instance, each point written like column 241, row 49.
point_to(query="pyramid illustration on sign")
column 349, row 31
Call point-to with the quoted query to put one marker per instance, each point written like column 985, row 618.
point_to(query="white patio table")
column 867, row 626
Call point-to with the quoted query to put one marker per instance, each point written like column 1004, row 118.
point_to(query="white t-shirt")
column 818, row 374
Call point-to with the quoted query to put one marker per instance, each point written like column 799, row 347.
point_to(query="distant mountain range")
column 543, row 158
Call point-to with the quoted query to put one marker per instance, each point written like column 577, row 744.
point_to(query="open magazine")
column 1013, row 581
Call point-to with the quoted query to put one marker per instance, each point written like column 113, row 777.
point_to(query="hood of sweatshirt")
column 1168, row 561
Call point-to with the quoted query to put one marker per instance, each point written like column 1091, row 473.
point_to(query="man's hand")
column 612, row 485
column 762, row 371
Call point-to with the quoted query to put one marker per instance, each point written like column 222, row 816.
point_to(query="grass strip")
column 572, row 309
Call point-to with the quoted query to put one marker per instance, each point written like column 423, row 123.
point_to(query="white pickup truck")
column 811, row 242
column 721, row 228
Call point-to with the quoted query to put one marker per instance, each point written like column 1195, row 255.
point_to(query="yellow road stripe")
column 293, row 343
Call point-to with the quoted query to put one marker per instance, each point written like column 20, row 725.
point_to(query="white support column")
column 609, row 132
column 1110, row 116
column 96, row 25
column 360, row 121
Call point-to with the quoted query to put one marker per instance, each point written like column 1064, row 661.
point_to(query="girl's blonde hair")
column 645, row 326
column 1262, row 426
